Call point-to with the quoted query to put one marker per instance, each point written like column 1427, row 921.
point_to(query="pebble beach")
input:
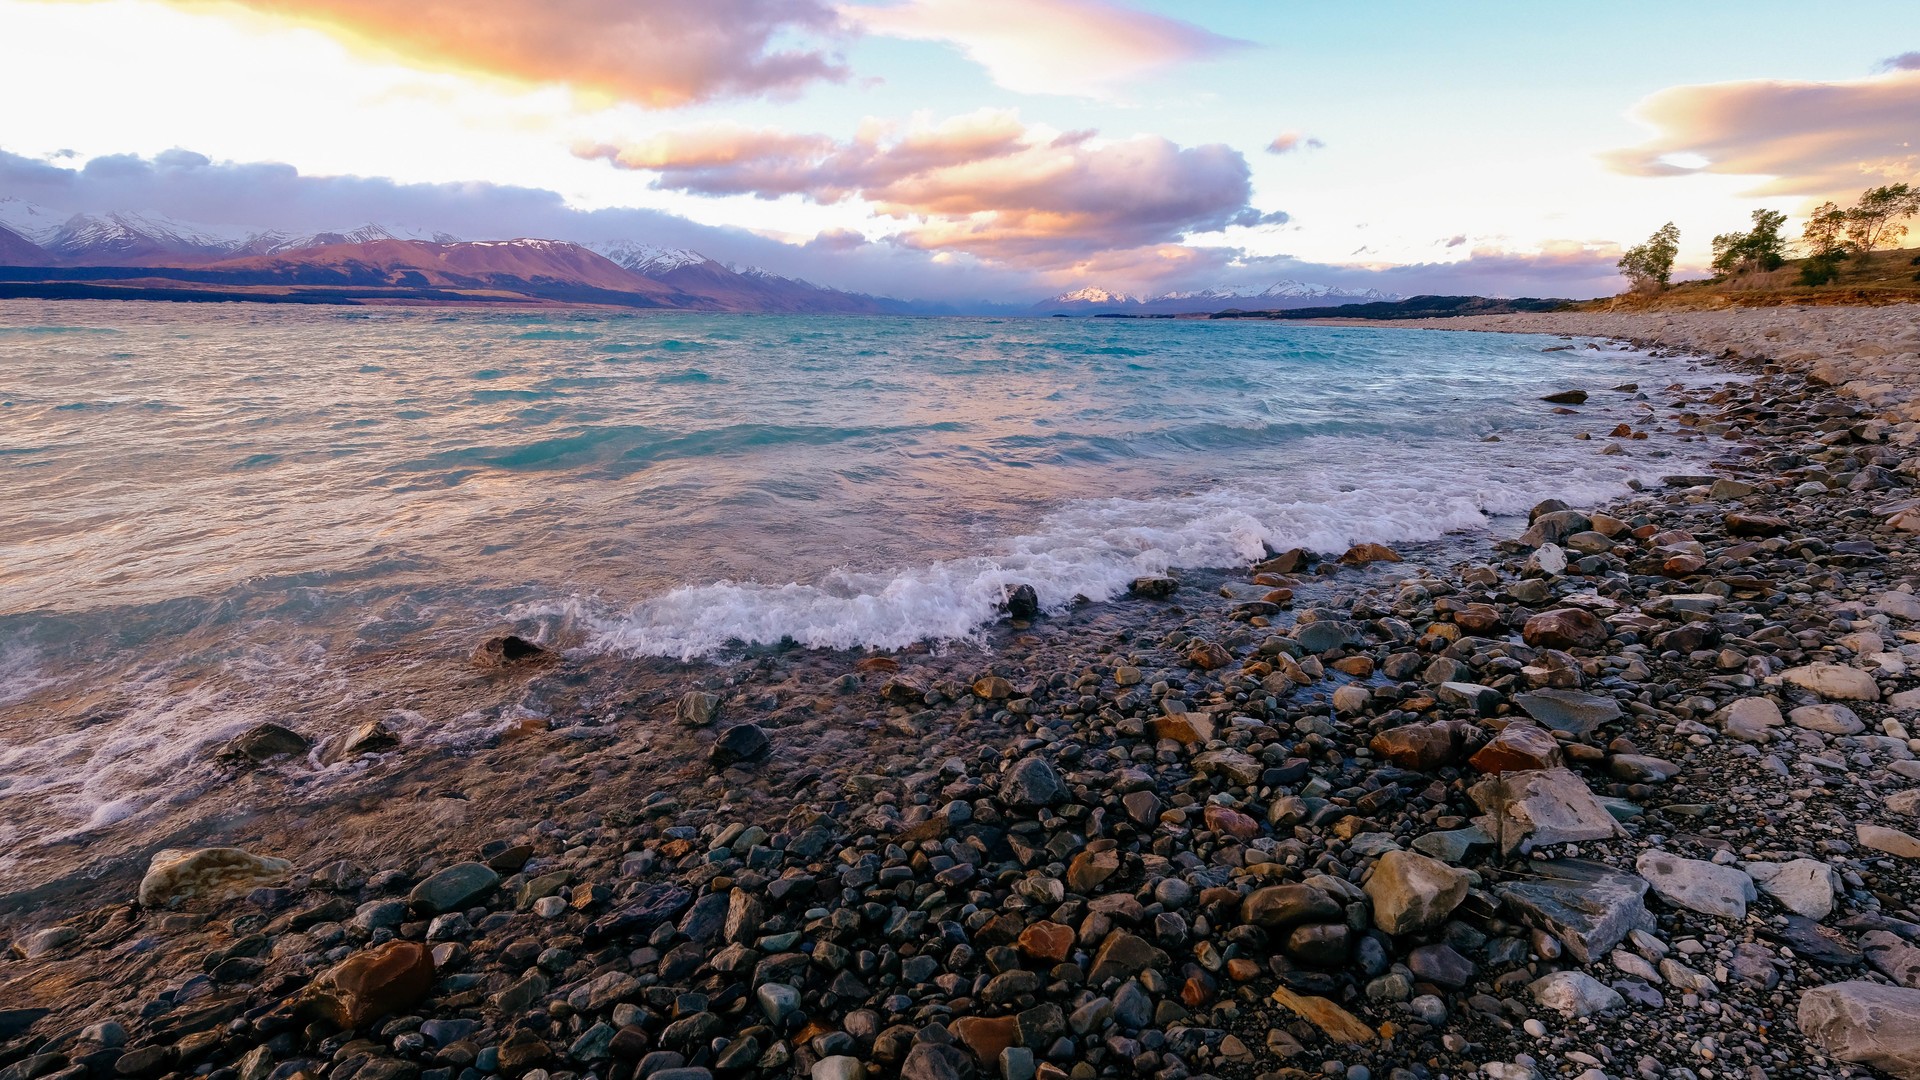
column 1629, row 791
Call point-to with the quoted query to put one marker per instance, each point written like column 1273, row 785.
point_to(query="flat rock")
column 1333, row 1021
column 1574, row 994
column 453, row 888
column 1751, row 719
column 1697, row 885
column 1827, row 719
column 1589, row 906
column 1836, row 682
column 1537, row 808
column 1803, row 886
column 1891, row 841
column 1865, row 1023
column 176, row 876
column 1568, row 710
column 1893, row 956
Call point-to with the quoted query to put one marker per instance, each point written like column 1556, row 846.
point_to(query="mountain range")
column 146, row 256
column 1280, row 296
column 131, row 255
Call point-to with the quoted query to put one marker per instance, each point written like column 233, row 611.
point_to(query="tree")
column 1826, row 245
column 1649, row 266
column 1876, row 218
column 1762, row 248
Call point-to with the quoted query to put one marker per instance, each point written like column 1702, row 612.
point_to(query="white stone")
column 1574, row 994
column 1697, row 885
column 1827, row 719
column 1835, row 681
column 1803, row 886
column 177, row 875
column 1891, row 841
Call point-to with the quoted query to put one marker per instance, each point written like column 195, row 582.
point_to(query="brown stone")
column 1520, row 746
column 1225, row 819
column 1208, row 656
column 992, row 688
column 1359, row 667
column 1090, row 868
column 1177, row 727
column 1123, row 954
column 1679, row 566
column 382, row 981
column 1333, row 1021
column 877, row 663
column 1564, row 628
column 1047, row 941
column 986, row 1036
column 1754, row 525
column 1362, row 554
column 1479, row 618
column 1286, row 905
column 1424, row 747
column 508, row 649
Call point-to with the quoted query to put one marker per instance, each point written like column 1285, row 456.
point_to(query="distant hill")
column 1413, row 307
column 1885, row 277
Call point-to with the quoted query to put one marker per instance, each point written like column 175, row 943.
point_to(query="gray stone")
column 454, row 888
column 1891, row 955
column 1589, row 906
column 1574, row 994
column 1750, row 719
column 697, row 708
column 1568, row 710
column 1865, row 1023
column 1827, row 719
column 1453, row 845
column 1803, row 886
column 1836, row 682
column 838, row 1067
column 1697, row 885
column 1412, row 892
column 1534, row 808
column 1032, row 783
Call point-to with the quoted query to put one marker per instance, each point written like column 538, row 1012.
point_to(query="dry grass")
column 1885, row 277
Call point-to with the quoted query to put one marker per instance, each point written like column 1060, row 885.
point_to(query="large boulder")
column 1589, row 906
column 1412, row 892
column 1537, row 808
column 1568, row 710
column 382, row 981
column 1803, row 886
column 1865, row 1023
column 176, row 876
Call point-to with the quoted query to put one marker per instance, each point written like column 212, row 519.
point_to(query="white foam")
column 1347, row 491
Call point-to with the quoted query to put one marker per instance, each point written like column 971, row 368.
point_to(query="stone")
column 1123, row 954
column 1240, row 768
column 1362, row 554
column 1564, row 628
column 1208, row 656
column 1900, row 605
column 1090, row 869
column 1351, row 699
column 697, row 708
column 1411, row 892
column 176, row 876
column 1891, row 841
column 1153, row 588
column 1836, row 682
column 1865, row 1023
column 1033, row 783
column 372, row 737
column 383, row 981
column 986, row 1036
column 1424, row 747
column 838, row 1067
column 1048, row 941
column 1333, row 1021
column 1641, row 769
column 1803, row 886
column 1022, row 603
column 992, row 688
column 1811, row 941
column 1566, row 397
column 933, row 1061
column 1893, row 956
column 1590, row 907
column 1441, row 965
column 266, row 742
column 1285, row 905
column 506, row 650
column 1697, row 885
column 1574, row 994
column 1827, row 719
column 1750, row 719
column 1538, row 808
column 1518, row 747
column 739, row 743
column 1754, row 524
column 1568, row 710
column 453, row 889
column 1482, row 700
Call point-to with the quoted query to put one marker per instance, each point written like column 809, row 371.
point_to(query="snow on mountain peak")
column 1094, row 294
column 648, row 260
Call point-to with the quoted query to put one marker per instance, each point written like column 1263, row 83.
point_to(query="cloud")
column 1289, row 141
column 656, row 53
column 1807, row 138
column 983, row 184
column 1088, row 48
column 1906, row 61
column 1456, row 240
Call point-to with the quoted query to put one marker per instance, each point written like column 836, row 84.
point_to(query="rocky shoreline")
column 1629, row 794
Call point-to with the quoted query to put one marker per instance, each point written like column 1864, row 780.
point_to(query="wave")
column 1095, row 548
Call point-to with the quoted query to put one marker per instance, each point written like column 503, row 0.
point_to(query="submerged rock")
column 507, row 650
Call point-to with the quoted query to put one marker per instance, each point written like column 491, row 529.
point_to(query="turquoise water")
column 203, row 505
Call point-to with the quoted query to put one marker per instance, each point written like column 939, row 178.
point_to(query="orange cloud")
column 983, row 184
column 1808, row 138
column 657, row 53
column 1082, row 47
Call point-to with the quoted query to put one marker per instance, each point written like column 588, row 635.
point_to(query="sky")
column 979, row 149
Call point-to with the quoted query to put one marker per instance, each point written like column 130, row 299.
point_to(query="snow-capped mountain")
column 1280, row 294
column 746, row 287
column 135, row 237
